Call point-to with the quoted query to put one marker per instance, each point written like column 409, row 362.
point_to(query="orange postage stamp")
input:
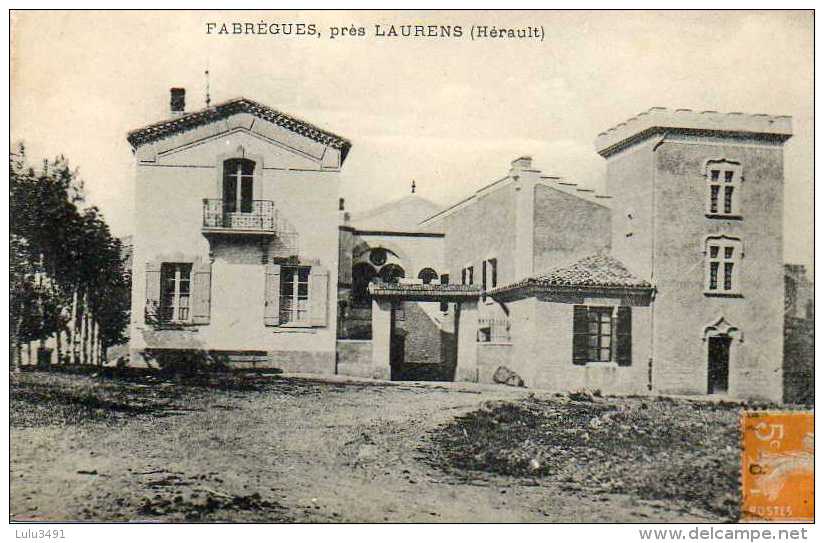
column 777, row 466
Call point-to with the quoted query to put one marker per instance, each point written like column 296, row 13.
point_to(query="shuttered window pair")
column 602, row 334
column 178, row 292
column 296, row 295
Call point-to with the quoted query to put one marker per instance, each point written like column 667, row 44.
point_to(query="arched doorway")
column 720, row 337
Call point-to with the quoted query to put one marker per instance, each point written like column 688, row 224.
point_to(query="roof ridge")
column 599, row 270
column 380, row 208
column 194, row 119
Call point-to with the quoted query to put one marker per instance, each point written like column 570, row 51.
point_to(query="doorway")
column 718, row 364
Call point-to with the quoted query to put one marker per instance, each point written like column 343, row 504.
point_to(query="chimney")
column 522, row 163
column 178, row 100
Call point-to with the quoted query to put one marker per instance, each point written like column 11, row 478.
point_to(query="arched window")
column 391, row 273
column 427, row 275
column 723, row 188
column 723, row 265
column 378, row 256
column 238, row 185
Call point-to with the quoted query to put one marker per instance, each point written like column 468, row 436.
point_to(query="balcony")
column 259, row 217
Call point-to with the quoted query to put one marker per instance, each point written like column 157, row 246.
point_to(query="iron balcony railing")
column 259, row 215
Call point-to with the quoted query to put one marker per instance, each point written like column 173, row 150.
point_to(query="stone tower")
column 698, row 211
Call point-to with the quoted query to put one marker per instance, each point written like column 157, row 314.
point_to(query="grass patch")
column 676, row 450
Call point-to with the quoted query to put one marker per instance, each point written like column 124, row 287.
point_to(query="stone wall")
column 682, row 309
column 477, row 231
column 542, row 349
column 490, row 357
column 799, row 361
column 567, row 228
column 423, row 337
column 354, row 358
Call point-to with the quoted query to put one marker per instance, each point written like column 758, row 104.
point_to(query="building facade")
column 236, row 239
column 672, row 283
column 698, row 210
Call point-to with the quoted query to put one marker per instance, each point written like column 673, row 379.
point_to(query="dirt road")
column 312, row 451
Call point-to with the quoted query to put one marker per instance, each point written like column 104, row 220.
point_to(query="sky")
column 450, row 113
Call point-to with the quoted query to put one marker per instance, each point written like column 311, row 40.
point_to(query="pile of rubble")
column 654, row 448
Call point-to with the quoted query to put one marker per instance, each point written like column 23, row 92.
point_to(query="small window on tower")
column 723, row 189
column 723, row 266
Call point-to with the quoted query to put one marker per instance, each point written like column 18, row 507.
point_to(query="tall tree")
column 65, row 266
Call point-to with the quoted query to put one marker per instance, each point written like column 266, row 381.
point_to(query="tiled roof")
column 188, row 121
column 596, row 272
column 420, row 290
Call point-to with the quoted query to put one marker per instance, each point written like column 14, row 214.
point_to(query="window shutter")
column 202, row 291
column 271, row 309
column 580, row 331
column 152, row 306
column 318, row 295
column 623, row 328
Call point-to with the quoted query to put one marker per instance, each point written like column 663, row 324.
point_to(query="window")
column 175, row 284
column 723, row 265
column 723, row 188
column 378, row 256
column 598, row 335
column 238, row 179
column 392, row 273
column 602, row 334
column 294, row 294
column 427, row 276
column 489, row 275
column 468, row 276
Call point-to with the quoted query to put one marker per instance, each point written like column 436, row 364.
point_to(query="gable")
column 239, row 143
column 265, row 122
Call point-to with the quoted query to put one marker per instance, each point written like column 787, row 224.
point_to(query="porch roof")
column 597, row 274
column 424, row 293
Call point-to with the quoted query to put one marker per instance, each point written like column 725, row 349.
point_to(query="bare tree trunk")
column 73, row 329
column 41, row 274
column 95, row 342
column 84, row 331
column 87, row 321
column 28, row 352
column 58, row 345
column 16, row 358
